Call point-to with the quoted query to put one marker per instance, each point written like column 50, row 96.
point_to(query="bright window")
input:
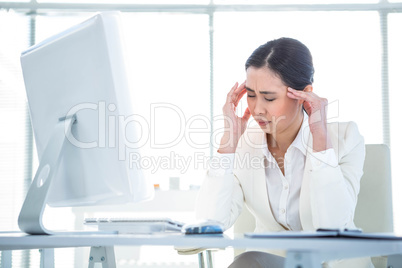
column 170, row 71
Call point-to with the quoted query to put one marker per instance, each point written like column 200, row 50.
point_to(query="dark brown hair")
column 288, row 58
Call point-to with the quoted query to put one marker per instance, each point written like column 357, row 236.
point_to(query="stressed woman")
column 294, row 171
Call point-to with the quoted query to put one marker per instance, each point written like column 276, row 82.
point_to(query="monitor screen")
column 82, row 73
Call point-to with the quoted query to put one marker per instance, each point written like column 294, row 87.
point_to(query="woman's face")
column 268, row 102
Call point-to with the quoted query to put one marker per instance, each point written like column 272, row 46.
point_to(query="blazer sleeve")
column 220, row 198
column 334, row 187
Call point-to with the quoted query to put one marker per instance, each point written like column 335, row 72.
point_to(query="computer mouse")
column 203, row 227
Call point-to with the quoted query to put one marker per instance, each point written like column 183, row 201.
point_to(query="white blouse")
column 284, row 190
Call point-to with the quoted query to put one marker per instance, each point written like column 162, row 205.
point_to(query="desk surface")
column 327, row 248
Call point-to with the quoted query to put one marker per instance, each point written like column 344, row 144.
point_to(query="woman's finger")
column 241, row 94
column 302, row 95
column 240, row 88
column 229, row 96
column 246, row 115
column 293, row 96
column 236, row 92
column 307, row 106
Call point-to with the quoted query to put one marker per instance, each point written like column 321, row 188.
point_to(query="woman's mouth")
column 263, row 123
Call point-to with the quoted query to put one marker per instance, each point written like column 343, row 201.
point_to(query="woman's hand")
column 234, row 125
column 316, row 108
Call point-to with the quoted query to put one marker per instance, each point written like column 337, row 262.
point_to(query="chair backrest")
column 374, row 205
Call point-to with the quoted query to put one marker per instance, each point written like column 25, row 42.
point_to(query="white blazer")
column 328, row 196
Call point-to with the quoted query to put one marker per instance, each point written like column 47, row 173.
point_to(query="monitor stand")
column 31, row 214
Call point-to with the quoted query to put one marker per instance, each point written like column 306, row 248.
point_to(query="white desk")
column 301, row 252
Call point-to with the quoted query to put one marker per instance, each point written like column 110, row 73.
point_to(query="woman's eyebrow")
column 267, row 92
column 261, row 92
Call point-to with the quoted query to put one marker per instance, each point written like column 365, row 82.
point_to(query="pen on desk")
column 357, row 230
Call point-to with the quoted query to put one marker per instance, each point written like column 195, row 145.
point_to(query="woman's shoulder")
column 343, row 129
column 345, row 135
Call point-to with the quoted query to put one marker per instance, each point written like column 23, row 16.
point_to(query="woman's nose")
column 259, row 108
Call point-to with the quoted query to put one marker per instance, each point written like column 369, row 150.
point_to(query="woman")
column 294, row 171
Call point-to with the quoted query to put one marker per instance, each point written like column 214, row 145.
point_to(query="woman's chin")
column 266, row 128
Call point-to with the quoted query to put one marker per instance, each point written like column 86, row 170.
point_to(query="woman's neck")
column 282, row 141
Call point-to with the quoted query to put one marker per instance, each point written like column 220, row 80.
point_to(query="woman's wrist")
column 226, row 150
column 228, row 144
column 321, row 141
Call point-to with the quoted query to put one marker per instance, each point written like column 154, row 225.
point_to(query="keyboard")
column 135, row 225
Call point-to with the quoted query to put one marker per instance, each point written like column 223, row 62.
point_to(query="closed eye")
column 253, row 96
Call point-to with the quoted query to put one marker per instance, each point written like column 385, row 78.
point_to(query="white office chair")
column 374, row 206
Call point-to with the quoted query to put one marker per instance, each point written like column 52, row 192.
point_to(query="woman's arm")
column 335, row 183
column 221, row 197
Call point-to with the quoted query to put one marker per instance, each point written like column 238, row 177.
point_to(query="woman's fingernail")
column 291, row 89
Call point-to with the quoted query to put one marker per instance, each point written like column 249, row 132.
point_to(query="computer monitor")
column 83, row 121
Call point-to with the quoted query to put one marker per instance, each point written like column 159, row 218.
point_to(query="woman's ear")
column 308, row 88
